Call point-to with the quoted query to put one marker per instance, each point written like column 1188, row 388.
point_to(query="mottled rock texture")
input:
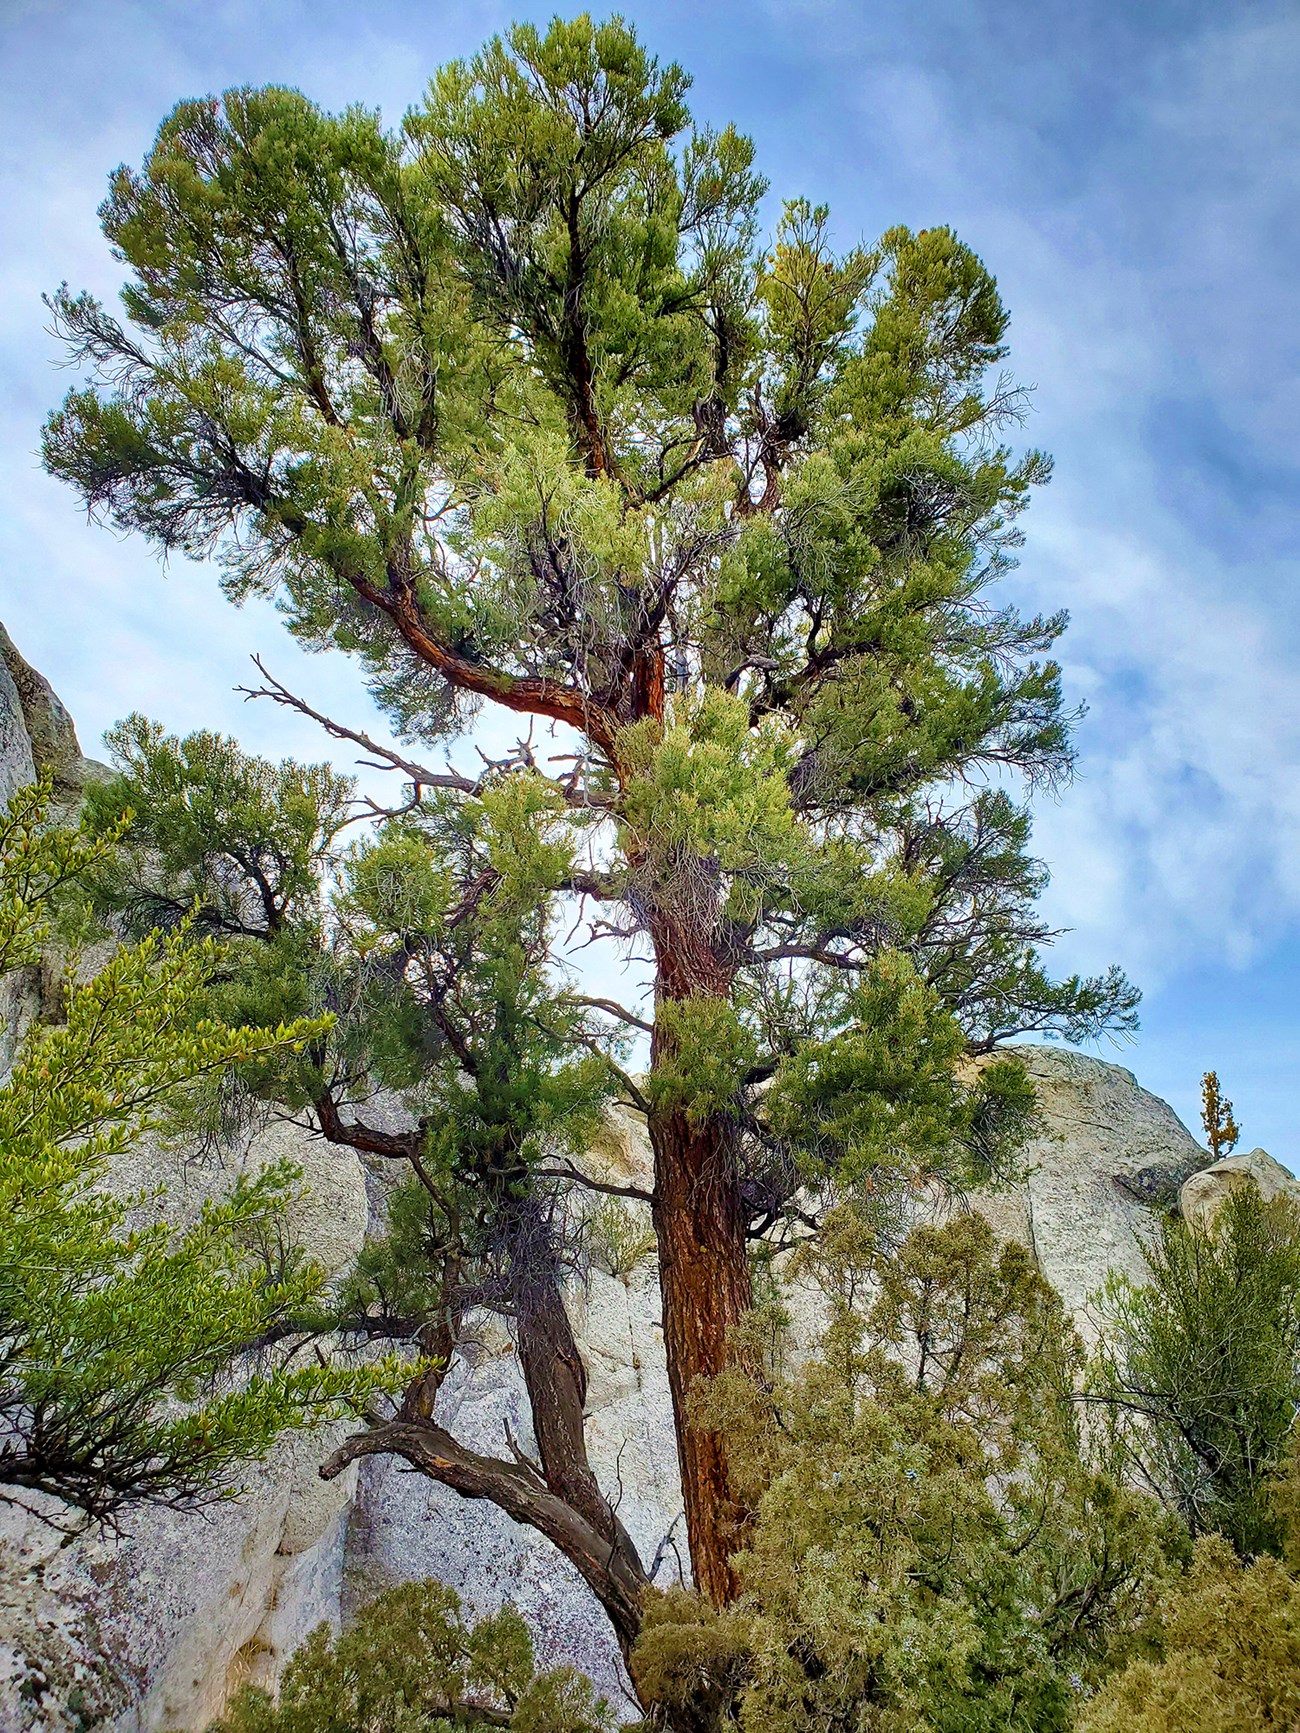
column 17, row 766
column 46, row 725
column 1106, row 1154
column 153, row 1629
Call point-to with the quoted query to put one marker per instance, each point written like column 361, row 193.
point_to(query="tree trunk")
column 564, row 1501
column 560, row 1495
column 704, row 1277
column 556, row 1381
column 703, row 1258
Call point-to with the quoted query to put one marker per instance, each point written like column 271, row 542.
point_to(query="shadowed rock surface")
column 50, row 729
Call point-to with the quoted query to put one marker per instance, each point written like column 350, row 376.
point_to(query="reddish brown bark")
column 648, row 689
column 532, row 695
column 703, row 1261
column 704, row 1275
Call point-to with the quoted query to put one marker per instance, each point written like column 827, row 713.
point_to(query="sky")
column 1131, row 173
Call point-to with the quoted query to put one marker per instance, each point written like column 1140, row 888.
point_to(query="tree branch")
column 393, row 1145
column 613, row 1573
column 418, row 773
column 576, row 1175
column 385, row 758
column 614, row 1009
column 534, row 695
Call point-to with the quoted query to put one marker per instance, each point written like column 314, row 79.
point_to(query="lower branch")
column 617, row 1581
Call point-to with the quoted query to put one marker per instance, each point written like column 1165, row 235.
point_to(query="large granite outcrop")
column 1205, row 1193
column 152, row 1629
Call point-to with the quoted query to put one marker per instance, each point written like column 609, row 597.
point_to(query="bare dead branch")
column 576, row 1176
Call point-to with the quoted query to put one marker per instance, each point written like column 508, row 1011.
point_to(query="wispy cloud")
column 1152, row 282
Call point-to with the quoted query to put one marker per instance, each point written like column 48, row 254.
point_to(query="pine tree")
column 428, row 945
column 1221, row 1129
column 127, row 1371
column 1201, row 1365
column 513, row 405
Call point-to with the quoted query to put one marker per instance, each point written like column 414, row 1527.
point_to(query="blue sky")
column 1132, row 175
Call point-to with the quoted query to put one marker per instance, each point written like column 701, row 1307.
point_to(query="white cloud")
column 1181, row 839
column 1151, row 269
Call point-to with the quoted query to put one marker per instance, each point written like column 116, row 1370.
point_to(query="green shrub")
column 411, row 1663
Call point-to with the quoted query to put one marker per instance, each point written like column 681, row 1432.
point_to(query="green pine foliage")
column 411, row 1663
column 244, row 852
column 125, row 1366
column 934, row 1546
column 618, row 1240
column 189, row 797
column 1200, row 1365
column 1229, row 1658
column 514, row 404
column 427, row 943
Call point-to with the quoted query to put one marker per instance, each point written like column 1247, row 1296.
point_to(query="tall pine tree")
column 515, row 406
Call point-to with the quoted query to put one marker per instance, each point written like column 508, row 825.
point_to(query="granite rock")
column 1206, row 1192
column 1081, row 1208
column 47, row 724
column 17, row 765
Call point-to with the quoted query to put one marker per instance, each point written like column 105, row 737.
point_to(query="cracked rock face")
column 47, row 727
column 154, row 1629
column 17, row 766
